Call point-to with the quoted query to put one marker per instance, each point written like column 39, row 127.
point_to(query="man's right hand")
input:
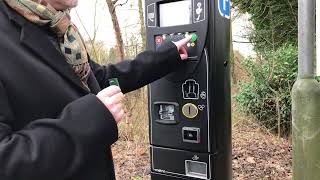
column 112, row 98
column 181, row 45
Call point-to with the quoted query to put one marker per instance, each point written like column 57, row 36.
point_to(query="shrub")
column 266, row 96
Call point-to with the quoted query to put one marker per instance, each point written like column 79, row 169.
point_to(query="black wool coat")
column 51, row 128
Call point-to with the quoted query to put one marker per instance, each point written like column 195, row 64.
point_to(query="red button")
column 159, row 40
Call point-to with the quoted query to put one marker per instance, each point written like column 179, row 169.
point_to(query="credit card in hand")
column 114, row 82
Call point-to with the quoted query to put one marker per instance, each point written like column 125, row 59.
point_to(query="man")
column 58, row 117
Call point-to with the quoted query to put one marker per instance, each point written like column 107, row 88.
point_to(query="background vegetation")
column 266, row 96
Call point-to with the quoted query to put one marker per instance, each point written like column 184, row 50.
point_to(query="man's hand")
column 112, row 98
column 181, row 45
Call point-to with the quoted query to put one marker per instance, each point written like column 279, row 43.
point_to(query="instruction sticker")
column 151, row 15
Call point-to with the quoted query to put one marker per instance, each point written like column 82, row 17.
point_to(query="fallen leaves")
column 131, row 160
column 260, row 156
column 250, row 160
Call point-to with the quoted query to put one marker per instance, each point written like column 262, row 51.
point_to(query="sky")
column 83, row 17
column 240, row 29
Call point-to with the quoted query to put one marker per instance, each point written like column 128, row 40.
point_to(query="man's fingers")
column 181, row 47
column 183, row 56
column 183, row 50
column 183, row 53
column 111, row 90
column 117, row 108
column 119, row 116
column 112, row 98
column 117, row 98
column 184, row 41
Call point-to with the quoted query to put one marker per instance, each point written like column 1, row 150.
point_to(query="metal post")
column 306, row 37
column 306, row 101
column 318, row 36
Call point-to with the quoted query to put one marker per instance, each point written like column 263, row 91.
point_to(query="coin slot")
column 190, row 110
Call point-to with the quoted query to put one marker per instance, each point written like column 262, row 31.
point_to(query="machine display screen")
column 175, row 13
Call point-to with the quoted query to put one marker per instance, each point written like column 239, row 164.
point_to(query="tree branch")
column 120, row 4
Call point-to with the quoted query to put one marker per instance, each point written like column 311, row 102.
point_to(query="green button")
column 194, row 37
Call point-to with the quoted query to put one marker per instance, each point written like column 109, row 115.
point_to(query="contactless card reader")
column 189, row 109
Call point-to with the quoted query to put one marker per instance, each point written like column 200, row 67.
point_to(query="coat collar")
column 37, row 40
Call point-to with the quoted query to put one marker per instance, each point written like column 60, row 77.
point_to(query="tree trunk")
column 116, row 27
column 142, row 27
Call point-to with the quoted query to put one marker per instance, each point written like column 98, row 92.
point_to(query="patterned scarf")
column 71, row 43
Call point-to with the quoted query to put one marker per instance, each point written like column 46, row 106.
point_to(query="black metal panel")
column 171, row 135
column 172, row 161
column 220, row 98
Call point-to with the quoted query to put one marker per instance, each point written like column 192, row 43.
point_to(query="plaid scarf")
column 71, row 43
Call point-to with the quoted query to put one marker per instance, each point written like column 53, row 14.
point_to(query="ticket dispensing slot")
column 196, row 169
column 190, row 165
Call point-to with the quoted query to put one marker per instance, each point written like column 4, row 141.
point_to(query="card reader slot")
column 166, row 113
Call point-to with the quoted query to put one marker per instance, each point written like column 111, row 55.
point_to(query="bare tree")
column 95, row 27
column 112, row 4
column 91, row 44
column 142, row 28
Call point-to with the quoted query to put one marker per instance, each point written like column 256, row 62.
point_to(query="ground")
column 257, row 155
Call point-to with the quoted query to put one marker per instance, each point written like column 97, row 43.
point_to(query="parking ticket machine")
column 189, row 109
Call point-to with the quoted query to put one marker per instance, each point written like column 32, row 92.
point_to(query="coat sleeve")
column 54, row 149
column 147, row 67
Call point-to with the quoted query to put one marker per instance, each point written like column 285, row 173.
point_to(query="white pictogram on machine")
column 199, row 10
column 190, row 89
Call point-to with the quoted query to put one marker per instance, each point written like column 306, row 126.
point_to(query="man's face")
column 61, row 4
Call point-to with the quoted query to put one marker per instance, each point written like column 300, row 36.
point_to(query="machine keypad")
column 192, row 46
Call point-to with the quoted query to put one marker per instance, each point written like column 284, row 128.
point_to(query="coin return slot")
column 196, row 169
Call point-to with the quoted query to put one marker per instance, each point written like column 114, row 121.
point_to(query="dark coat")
column 50, row 127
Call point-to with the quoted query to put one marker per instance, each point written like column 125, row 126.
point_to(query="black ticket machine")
column 190, row 111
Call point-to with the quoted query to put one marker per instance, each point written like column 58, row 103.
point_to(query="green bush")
column 266, row 96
